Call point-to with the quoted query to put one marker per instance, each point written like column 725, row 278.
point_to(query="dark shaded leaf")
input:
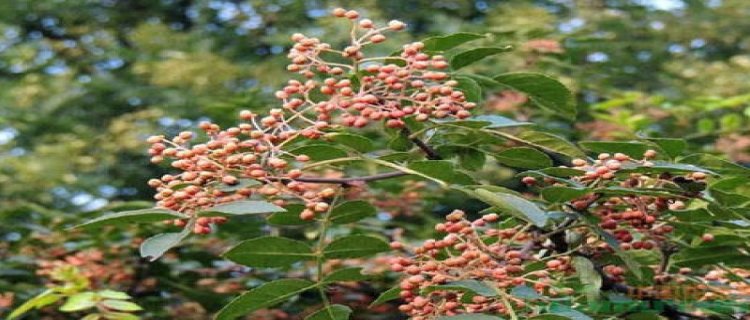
column 354, row 246
column 524, row 157
column 269, row 252
column 563, row 194
column 333, row 312
column 447, row 42
column 468, row 57
column 354, row 141
column 388, row 295
column 266, row 295
column 470, row 88
column 351, row 211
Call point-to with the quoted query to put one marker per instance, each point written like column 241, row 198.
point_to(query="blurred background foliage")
column 84, row 82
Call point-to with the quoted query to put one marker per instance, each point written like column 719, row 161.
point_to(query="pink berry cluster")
column 414, row 86
column 234, row 164
column 475, row 251
column 249, row 159
column 633, row 219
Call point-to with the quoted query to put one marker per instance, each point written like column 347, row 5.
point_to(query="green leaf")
column 714, row 163
column 562, row 172
column 525, row 292
column 111, row 294
column 354, row 246
column 543, row 90
column 591, row 280
column 495, row 121
column 121, row 305
column 484, row 81
column 559, row 194
column 388, row 295
column 264, row 296
column 470, row 88
column 290, row 217
column 469, row 158
column 468, row 57
column 351, row 211
column 673, row 147
column 732, row 256
column 400, row 142
column 447, row 42
column 554, row 174
column 470, row 316
column 269, row 252
column 633, row 149
column 320, row 152
column 154, row 247
column 43, row 299
column 354, row 141
column 524, row 157
column 118, row 316
column 550, row 142
column 346, row 274
column 622, row 191
column 514, row 205
column 333, row 312
column 472, row 286
column 242, row 207
column 663, row 166
column 486, row 121
column 549, row 317
column 133, row 216
column 441, row 170
column 568, row 312
column 79, row 301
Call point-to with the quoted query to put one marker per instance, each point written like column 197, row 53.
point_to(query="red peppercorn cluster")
column 249, row 159
column 414, row 86
column 234, row 164
column 471, row 250
column 634, row 219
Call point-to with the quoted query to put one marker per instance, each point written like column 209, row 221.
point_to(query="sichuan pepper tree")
column 620, row 225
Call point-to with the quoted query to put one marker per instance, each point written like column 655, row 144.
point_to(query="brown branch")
column 666, row 252
column 428, row 151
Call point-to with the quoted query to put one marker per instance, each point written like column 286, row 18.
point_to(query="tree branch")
column 666, row 253
column 428, row 151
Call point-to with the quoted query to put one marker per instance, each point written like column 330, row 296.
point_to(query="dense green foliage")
column 83, row 83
